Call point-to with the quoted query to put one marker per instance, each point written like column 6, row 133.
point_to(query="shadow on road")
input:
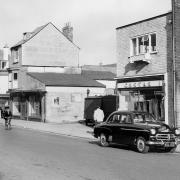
column 129, row 148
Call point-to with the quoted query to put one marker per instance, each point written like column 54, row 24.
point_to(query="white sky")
column 94, row 21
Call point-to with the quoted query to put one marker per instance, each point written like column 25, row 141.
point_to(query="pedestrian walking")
column 7, row 115
column 98, row 115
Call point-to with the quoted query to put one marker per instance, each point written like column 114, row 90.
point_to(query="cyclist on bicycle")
column 7, row 117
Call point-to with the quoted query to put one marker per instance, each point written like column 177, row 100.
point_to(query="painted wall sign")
column 140, row 84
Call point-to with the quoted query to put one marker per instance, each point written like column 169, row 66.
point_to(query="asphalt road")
column 31, row 155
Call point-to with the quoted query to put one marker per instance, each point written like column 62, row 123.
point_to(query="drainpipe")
column 174, row 62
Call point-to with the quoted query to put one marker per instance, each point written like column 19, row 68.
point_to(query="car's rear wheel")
column 104, row 140
column 141, row 145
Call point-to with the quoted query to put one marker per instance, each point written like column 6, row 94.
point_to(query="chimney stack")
column 68, row 31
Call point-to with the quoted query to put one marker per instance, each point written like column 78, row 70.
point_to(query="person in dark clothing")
column 7, row 115
column 2, row 112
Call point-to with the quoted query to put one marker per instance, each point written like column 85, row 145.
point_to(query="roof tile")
column 69, row 80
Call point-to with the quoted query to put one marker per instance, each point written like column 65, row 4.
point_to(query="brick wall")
column 160, row 26
column 162, row 61
column 177, row 58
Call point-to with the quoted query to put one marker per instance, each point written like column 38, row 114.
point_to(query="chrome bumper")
column 162, row 143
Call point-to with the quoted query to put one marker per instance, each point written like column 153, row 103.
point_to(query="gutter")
column 174, row 62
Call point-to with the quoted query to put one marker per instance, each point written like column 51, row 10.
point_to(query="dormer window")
column 143, row 44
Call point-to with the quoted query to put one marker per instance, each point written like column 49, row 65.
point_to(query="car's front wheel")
column 141, row 145
column 104, row 140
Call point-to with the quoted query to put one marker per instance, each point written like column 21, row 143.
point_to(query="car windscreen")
column 142, row 118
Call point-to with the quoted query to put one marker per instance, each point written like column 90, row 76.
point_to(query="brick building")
column 145, row 67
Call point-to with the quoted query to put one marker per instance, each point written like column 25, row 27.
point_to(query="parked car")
column 139, row 129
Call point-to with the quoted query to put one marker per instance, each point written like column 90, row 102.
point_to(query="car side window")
column 115, row 118
column 125, row 119
column 138, row 118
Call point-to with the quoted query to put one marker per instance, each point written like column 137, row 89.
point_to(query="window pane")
column 15, row 76
column 16, row 54
column 3, row 65
column 146, row 43
column 34, row 106
column 134, row 46
column 16, row 106
column 153, row 42
column 141, row 46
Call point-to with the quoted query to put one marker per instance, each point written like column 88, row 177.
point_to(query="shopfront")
column 142, row 94
column 28, row 105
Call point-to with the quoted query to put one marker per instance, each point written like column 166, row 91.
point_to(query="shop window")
column 143, row 44
column 34, row 106
column 16, row 106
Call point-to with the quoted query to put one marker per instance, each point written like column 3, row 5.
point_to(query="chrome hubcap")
column 103, row 139
column 141, row 145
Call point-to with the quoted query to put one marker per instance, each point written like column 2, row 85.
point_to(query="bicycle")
column 8, row 124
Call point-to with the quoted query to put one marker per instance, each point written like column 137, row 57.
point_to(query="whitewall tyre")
column 141, row 145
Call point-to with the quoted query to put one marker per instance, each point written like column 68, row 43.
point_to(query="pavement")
column 75, row 129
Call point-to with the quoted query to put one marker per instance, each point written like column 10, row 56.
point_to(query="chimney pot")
column 68, row 31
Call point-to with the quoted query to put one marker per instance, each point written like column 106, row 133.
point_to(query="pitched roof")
column 69, row 80
column 98, row 75
column 36, row 31
column 33, row 33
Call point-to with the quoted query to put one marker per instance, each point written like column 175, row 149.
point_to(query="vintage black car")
column 139, row 129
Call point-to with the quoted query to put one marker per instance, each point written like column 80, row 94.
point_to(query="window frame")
column 137, row 52
column 16, row 55
column 14, row 76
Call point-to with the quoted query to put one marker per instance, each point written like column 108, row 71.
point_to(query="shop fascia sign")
column 140, row 84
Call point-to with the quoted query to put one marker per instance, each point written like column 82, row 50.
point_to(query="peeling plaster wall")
column 70, row 106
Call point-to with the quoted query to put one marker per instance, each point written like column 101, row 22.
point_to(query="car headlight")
column 153, row 131
column 177, row 132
